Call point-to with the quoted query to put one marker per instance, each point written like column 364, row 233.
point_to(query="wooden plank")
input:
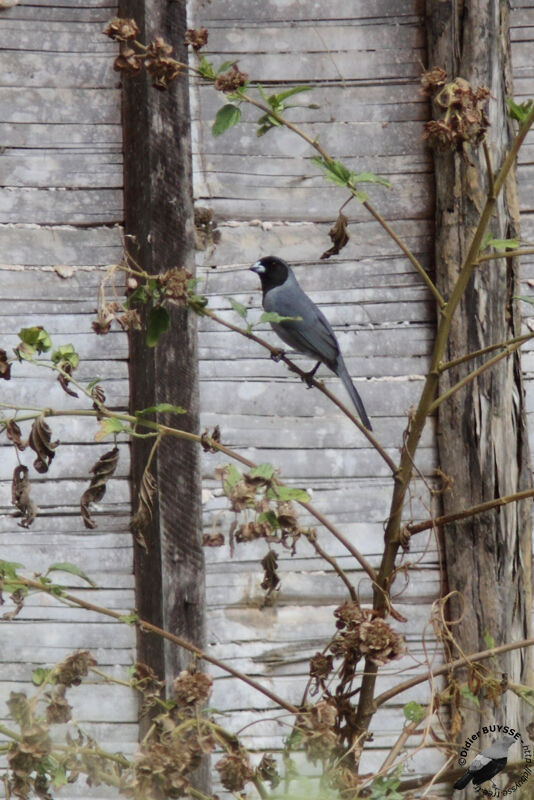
column 50, row 70
column 87, row 171
column 32, row 245
column 235, row 11
column 74, row 106
column 60, row 135
column 60, row 206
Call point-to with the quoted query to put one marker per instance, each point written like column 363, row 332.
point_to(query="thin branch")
column 487, row 157
column 527, row 251
column 335, row 566
column 146, row 626
column 473, row 375
column 525, row 337
column 451, row 665
column 426, row 524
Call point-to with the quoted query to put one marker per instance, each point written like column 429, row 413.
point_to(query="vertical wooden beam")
column 159, row 218
column 482, row 435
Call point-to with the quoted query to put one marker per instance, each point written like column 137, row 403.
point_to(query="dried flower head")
column 433, row 79
column 349, row 615
column 234, row 771
column 249, row 531
column 191, row 688
column 57, row 709
column 438, row 134
column 75, row 667
column 175, row 282
column 196, row 37
column 267, row 770
column 127, row 61
column 121, row 29
column 161, row 67
column 5, row 366
column 130, row 320
column 465, row 120
column 231, row 80
column 379, row 642
column 321, row 666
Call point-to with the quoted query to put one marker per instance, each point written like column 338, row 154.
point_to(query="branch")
column 483, row 350
column 451, row 665
column 171, row 637
column 468, row 512
column 527, row 251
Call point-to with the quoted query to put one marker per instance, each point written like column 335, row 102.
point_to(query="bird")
column 487, row 764
column 310, row 334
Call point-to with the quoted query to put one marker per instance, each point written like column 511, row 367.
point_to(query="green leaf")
column 225, row 65
column 370, row 177
column 36, row 338
column 93, row 383
column 272, row 316
column 489, row 641
column 39, row 676
column 232, row 476
column 414, row 712
column 335, row 171
column 8, row 569
column 226, row 117
column 72, row 569
column 108, row 425
column 58, row 775
column 206, row 69
column 284, row 493
column 161, row 408
column 159, row 322
column 500, row 244
column 264, row 471
column 519, row 111
column 239, row 308
column 66, row 353
column 129, row 619
column 279, row 98
column 139, row 297
column 270, row 518
column 524, row 298
column 466, row 692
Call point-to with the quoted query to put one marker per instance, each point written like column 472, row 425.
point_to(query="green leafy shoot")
column 277, row 104
column 466, row 692
column 129, row 619
column 519, row 111
column 232, row 476
column 66, row 354
column 226, row 65
column 227, row 116
column 206, row 69
column 499, row 244
column 39, row 675
column 524, row 298
column 385, row 788
column 285, row 493
column 8, row 569
column 414, row 712
column 239, row 308
column 34, row 340
column 161, row 408
column 196, row 302
column 264, row 471
column 72, row 569
column 370, row 177
column 139, row 297
column 335, row 171
column 109, row 425
column 272, row 316
column 159, row 322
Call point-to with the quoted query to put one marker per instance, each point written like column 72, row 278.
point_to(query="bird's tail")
column 463, row 781
column 341, row 371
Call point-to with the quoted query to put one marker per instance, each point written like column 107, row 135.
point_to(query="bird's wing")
column 489, row 770
column 478, row 763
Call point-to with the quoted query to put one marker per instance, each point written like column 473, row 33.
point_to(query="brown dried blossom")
column 241, row 496
column 191, row 688
column 162, row 68
column 130, row 62
column 121, row 29
column 465, row 120
column 234, row 771
column 321, row 666
column 317, row 726
column 249, row 531
column 349, row 615
column 268, row 771
column 145, row 680
column 213, row 540
column 379, row 642
column 433, row 79
column 75, row 667
column 230, row 80
column 5, row 366
column 105, row 314
column 175, row 282
column 20, row 496
column 196, row 37
column 130, row 320
column 58, row 710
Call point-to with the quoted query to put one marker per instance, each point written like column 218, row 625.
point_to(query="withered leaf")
column 213, row 540
column 102, row 471
column 40, row 442
column 215, row 436
column 5, row 366
column 63, row 379
column 339, row 236
column 20, row 495
column 271, row 579
column 14, row 434
column 145, row 507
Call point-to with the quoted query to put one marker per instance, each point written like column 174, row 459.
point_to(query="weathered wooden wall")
column 363, row 62
column 60, row 203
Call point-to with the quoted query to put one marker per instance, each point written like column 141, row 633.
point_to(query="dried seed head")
column 321, row 666
column 175, row 282
column 58, row 710
column 75, row 667
column 231, row 80
column 234, row 771
column 349, row 615
column 130, row 62
column 433, row 79
column 5, row 366
column 121, row 29
column 191, row 688
column 379, row 642
column 251, row 530
column 196, row 37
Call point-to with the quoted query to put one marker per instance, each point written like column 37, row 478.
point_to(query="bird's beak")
column 258, row 268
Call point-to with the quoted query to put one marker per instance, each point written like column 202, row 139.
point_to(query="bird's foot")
column 277, row 355
column 309, row 376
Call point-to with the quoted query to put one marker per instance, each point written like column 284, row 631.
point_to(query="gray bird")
column 488, row 763
column 310, row 335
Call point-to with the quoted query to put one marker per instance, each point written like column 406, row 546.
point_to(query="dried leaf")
column 40, row 442
column 5, row 366
column 339, row 236
column 205, row 438
column 213, row 540
column 102, row 471
column 20, row 494
column 271, row 579
column 145, row 506
column 64, row 381
column 14, row 434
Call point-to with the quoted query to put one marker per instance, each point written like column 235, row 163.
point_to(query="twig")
column 525, row 337
column 527, row 251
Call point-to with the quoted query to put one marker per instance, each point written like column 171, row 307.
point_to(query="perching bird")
column 487, row 764
column 312, row 334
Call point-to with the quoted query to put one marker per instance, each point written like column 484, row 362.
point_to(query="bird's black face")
column 272, row 271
